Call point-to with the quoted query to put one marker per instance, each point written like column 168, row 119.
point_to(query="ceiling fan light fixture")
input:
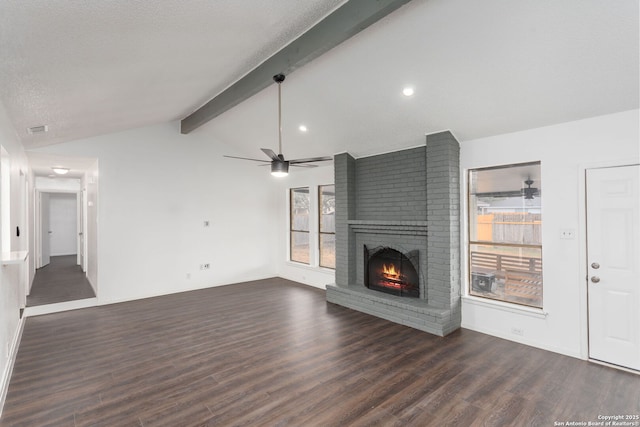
column 280, row 166
column 279, row 169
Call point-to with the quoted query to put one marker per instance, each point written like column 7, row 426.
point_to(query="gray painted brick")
column 423, row 192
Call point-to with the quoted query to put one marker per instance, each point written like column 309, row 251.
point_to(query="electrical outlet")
column 205, row 266
column 207, row 223
column 517, row 331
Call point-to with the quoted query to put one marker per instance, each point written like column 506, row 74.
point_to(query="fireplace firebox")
column 391, row 271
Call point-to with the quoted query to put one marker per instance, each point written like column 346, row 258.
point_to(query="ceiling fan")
column 529, row 193
column 280, row 166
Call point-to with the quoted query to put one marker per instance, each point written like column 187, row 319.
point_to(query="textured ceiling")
column 478, row 68
column 92, row 67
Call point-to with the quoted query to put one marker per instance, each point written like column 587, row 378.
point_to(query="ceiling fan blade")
column 271, row 154
column 303, row 165
column 311, row 159
column 246, row 158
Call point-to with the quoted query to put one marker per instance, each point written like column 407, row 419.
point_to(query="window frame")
column 291, row 225
column 470, row 243
column 320, row 232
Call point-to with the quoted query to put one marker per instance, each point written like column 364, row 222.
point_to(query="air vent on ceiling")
column 38, row 129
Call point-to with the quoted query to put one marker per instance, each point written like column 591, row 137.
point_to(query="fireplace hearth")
column 391, row 271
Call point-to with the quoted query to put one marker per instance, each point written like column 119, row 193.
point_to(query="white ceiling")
column 479, row 69
column 41, row 164
column 93, row 67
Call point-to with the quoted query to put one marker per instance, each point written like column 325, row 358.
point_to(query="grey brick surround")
column 408, row 200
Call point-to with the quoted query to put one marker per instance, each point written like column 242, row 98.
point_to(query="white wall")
column 90, row 187
column 565, row 151
column 300, row 177
column 10, row 275
column 156, row 189
column 63, row 223
column 44, row 183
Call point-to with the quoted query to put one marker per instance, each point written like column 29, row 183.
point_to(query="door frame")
column 38, row 216
column 80, row 229
column 582, row 241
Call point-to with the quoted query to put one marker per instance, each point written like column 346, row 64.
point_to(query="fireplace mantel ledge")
column 388, row 223
column 415, row 228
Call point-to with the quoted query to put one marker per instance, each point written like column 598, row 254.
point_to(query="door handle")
column 595, row 265
column 50, row 232
column 595, row 279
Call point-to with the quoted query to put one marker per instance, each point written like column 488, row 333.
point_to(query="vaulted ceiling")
column 478, row 68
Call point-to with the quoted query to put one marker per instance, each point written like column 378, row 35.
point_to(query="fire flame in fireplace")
column 390, row 272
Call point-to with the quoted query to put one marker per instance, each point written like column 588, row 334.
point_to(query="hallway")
column 62, row 280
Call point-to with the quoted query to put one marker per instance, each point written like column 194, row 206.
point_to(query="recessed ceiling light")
column 60, row 170
column 408, row 91
column 302, row 128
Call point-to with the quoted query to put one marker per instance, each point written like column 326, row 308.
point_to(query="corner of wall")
column 8, row 369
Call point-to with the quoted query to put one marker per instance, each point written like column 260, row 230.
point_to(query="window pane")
column 327, row 209
column 328, row 250
column 507, row 273
column 505, row 205
column 505, row 233
column 300, row 209
column 300, row 246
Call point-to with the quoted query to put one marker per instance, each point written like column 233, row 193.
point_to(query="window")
column 299, row 224
column 327, row 225
column 312, row 227
column 505, row 233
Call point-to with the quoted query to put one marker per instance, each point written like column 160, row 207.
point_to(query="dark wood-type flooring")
column 62, row 280
column 274, row 353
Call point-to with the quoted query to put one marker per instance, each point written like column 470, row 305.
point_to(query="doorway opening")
column 63, row 265
column 60, row 274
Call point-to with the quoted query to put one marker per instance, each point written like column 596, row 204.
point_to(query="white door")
column 613, row 256
column 63, row 224
column 45, row 230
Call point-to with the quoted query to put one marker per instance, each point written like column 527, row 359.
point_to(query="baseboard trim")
column 618, row 367
column 523, row 340
column 6, row 377
column 39, row 310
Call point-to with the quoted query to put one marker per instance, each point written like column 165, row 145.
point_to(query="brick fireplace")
column 408, row 202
